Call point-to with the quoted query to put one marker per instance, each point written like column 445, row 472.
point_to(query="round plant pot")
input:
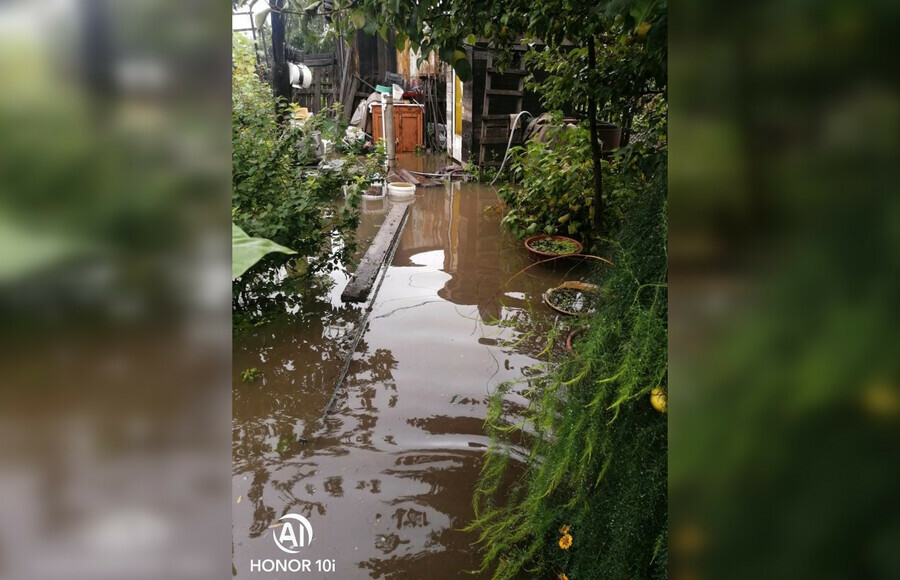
column 610, row 135
column 539, row 255
column 582, row 287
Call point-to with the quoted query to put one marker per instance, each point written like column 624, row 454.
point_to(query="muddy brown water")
column 386, row 479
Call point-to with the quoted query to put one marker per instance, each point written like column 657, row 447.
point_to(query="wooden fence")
column 322, row 93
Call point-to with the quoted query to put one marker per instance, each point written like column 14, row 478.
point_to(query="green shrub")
column 275, row 193
column 556, row 189
column 597, row 449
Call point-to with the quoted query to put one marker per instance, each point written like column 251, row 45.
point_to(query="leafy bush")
column 555, row 193
column 275, row 194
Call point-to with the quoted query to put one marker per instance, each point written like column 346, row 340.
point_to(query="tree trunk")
column 596, row 152
column 281, row 80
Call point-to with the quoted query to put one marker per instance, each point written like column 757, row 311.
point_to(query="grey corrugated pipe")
column 512, row 131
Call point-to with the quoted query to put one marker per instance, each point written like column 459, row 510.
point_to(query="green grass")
column 598, row 450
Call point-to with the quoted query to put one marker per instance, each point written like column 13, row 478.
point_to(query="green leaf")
column 358, row 19
column 446, row 53
column 400, row 41
column 457, row 54
column 313, row 7
column 471, row 39
column 371, row 27
column 463, row 69
column 247, row 251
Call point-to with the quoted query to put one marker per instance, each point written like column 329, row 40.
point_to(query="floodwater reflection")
column 387, row 478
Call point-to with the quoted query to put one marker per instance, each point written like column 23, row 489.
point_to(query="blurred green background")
column 784, row 284
column 114, row 289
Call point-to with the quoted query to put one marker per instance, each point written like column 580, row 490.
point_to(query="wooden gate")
column 322, row 93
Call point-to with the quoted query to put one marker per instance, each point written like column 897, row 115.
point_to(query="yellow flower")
column 564, row 530
column 565, row 542
column 562, row 576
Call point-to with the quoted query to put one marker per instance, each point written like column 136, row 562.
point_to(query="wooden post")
column 596, row 153
column 317, row 90
column 388, row 120
column 281, row 79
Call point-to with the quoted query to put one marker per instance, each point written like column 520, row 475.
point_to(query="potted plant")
column 543, row 246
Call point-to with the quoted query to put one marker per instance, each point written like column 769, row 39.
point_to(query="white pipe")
column 512, row 131
column 387, row 118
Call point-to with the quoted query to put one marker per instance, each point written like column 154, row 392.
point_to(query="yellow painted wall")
column 457, row 109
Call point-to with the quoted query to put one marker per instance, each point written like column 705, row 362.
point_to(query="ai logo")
column 292, row 537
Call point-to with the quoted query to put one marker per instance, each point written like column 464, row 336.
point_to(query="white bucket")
column 300, row 75
column 401, row 190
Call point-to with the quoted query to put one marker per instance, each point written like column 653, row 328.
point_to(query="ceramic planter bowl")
column 582, row 287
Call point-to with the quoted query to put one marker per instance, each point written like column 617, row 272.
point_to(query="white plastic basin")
column 401, row 190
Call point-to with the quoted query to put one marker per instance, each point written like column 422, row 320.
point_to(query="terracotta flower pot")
column 539, row 255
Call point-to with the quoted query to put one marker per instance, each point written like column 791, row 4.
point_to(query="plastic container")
column 382, row 89
column 401, row 190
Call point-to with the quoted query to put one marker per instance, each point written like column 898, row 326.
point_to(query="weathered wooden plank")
column 388, row 235
column 317, row 86
column 503, row 93
column 408, row 177
column 427, row 182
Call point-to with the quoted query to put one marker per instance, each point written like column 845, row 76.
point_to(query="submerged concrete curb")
column 363, row 278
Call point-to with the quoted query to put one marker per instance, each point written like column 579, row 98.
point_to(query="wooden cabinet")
column 408, row 126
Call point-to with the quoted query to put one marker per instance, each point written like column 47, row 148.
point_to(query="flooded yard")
column 386, row 477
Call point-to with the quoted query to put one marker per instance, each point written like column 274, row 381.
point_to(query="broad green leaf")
column 358, row 19
column 471, row 39
column 457, row 54
column 400, row 41
column 247, row 251
column 463, row 69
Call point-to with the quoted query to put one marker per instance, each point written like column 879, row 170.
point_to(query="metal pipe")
column 387, row 118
